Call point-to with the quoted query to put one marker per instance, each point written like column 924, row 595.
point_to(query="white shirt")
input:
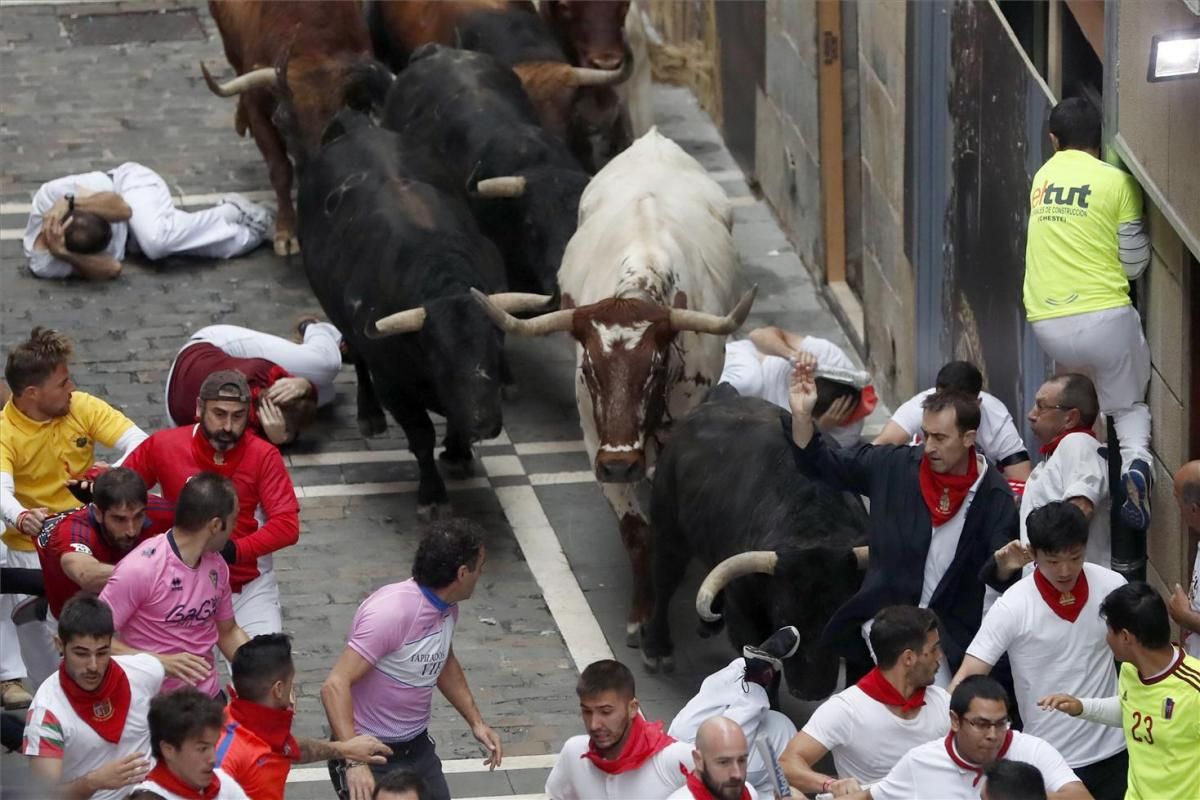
column 1049, row 655
column 1074, row 469
column 40, row 261
column 928, row 771
column 575, row 778
column 997, row 437
column 684, row 793
column 230, row 790
column 54, row 730
column 867, row 739
column 755, row 374
column 1191, row 642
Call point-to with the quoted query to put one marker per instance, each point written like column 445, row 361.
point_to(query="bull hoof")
column 434, row 511
column 286, row 245
column 657, row 664
column 633, row 634
column 457, row 468
column 372, row 426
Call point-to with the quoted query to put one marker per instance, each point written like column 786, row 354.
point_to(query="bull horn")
column 255, row 79
column 733, row 567
column 862, row 556
column 586, row 76
column 406, row 321
column 506, row 186
column 520, row 302
column 701, row 322
column 551, row 322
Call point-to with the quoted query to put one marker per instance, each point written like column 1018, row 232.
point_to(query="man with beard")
column 622, row 755
column 48, row 436
column 939, row 513
column 868, row 727
column 1049, row 624
column 953, row 767
column 86, row 733
column 184, row 728
column 217, row 443
column 721, row 756
column 79, row 549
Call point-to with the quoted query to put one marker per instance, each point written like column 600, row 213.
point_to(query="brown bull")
column 314, row 43
column 509, row 32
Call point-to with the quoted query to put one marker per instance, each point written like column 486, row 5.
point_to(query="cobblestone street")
column 536, row 618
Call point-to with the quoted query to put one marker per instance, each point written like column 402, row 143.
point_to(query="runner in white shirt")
column 722, row 758
column 997, row 437
column 1185, row 607
column 184, row 728
column 86, row 732
column 1074, row 463
column 952, row 767
column 623, row 756
column 1049, row 624
column 761, row 366
column 870, row 726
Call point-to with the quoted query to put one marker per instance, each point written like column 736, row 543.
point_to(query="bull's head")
column 462, row 354
column 625, row 346
column 542, row 209
column 594, row 30
column 552, row 87
column 806, row 587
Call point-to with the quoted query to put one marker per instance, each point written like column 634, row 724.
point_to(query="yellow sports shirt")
column 1162, row 731
column 1072, row 260
column 41, row 456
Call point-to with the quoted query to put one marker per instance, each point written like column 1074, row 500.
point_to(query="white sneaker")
column 249, row 215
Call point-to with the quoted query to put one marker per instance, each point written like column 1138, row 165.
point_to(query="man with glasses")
column 1074, row 466
column 979, row 736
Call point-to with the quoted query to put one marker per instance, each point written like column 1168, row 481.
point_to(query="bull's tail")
column 366, row 85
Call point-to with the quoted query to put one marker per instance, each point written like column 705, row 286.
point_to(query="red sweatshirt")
column 169, row 458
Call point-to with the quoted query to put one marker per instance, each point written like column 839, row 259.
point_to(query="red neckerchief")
column 1049, row 447
column 699, row 790
column 944, row 493
column 167, row 780
column 207, row 457
column 644, row 740
column 104, row 709
column 875, row 686
column 1067, row 605
column 967, row 765
column 272, row 725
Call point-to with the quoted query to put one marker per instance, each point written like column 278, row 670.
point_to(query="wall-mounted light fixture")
column 1175, row 55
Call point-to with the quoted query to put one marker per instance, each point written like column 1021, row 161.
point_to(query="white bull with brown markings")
column 648, row 285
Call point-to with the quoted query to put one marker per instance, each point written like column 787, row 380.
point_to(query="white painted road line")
column 451, row 767
column 389, row 487
column 549, row 448
column 392, row 456
column 559, row 478
column 544, row 555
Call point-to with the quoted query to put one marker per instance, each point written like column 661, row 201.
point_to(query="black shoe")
column 781, row 644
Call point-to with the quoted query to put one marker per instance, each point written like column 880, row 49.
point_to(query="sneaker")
column 781, row 644
column 13, row 695
column 250, row 215
column 1135, row 511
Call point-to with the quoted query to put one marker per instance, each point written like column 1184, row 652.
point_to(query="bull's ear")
column 680, row 300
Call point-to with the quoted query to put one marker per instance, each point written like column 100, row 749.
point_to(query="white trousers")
column 1108, row 346
column 161, row 229
column 26, row 651
column 256, row 606
column 318, row 360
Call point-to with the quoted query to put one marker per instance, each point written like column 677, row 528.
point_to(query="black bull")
column 377, row 239
column 726, row 485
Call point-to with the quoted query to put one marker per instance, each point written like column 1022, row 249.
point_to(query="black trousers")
column 418, row 755
column 1106, row 779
